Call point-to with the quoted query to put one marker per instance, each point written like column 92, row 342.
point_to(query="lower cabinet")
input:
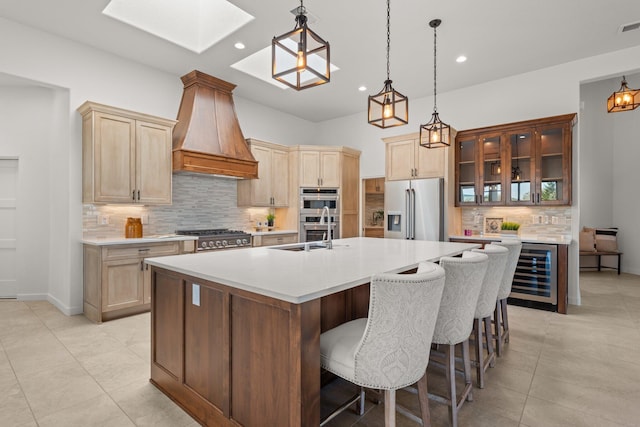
column 275, row 239
column 117, row 282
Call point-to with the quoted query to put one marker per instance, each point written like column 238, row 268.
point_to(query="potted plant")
column 270, row 218
column 509, row 228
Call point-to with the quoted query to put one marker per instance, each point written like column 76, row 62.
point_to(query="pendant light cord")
column 435, row 95
column 388, row 36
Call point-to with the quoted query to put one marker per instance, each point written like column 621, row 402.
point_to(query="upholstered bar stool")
column 463, row 281
column 501, row 317
column 389, row 350
column 485, row 307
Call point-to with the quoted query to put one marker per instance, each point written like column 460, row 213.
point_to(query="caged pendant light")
column 300, row 58
column 436, row 133
column 624, row 99
column 388, row 107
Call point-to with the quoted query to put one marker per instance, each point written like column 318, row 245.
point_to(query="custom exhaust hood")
column 207, row 138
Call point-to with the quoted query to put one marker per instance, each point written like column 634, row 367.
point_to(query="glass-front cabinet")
column 466, row 171
column 479, row 165
column 492, row 165
column 522, row 169
column 524, row 163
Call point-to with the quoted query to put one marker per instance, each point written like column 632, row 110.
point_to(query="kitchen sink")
column 301, row 247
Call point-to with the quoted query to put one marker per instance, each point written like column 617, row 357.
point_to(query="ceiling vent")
column 629, row 27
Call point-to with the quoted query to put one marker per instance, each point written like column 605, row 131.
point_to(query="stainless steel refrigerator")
column 414, row 209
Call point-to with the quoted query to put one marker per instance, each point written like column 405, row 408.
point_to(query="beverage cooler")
column 536, row 276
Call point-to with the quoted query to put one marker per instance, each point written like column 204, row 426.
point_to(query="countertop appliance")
column 414, row 209
column 218, row 238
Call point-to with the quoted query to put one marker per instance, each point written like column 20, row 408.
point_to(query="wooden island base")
column 240, row 358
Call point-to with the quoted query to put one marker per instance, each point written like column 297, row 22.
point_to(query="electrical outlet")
column 145, row 219
column 103, row 219
column 554, row 220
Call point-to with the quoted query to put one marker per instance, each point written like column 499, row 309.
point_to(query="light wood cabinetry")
column 405, row 158
column 126, row 156
column 524, row 163
column 324, row 166
column 374, row 186
column 117, row 282
column 271, row 189
column 274, row 239
column 373, row 207
column 319, row 168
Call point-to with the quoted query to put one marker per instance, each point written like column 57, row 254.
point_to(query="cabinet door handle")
column 138, row 195
column 133, row 195
column 142, row 265
column 538, row 197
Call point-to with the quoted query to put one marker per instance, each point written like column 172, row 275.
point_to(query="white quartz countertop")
column 268, row 233
column 103, row 241
column 561, row 239
column 302, row 276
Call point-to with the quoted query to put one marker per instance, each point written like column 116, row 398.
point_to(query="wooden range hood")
column 207, row 138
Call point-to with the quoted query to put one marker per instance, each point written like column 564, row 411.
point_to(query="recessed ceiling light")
column 461, row 58
column 258, row 65
column 362, row 88
column 192, row 24
column 239, row 45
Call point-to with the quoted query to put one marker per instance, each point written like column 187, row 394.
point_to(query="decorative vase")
column 269, row 223
column 133, row 228
column 509, row 233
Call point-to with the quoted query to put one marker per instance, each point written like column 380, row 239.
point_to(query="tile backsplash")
column 199, row 201
column 533, row 220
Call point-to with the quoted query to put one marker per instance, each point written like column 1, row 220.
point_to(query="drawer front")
column 140, row 250
column 279, row 239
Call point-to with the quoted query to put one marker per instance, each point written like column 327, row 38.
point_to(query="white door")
column 8, row 225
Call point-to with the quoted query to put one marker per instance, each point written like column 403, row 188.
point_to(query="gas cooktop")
column 218, row 238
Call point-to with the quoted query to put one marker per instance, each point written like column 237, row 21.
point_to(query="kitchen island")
column 235, row 335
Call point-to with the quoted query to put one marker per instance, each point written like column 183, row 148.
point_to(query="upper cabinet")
column 525, row 163
column 479, row 174
column 405, row 158
column 126, row 156
column 374, row 186
column 271, row 189
column 319, row 168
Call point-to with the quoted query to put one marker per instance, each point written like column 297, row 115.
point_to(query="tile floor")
column 581, row 369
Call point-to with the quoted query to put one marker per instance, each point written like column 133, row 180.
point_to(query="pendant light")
column 436, row 133
column 300, row 58
column 389, row 107
column 624, row 99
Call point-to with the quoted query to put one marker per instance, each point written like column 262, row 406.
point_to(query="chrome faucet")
column 328, row 241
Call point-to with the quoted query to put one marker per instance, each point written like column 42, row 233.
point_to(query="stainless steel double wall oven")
column 312, row 202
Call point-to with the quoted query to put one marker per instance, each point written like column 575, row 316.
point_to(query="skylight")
column 258, row 65
column 195, row 25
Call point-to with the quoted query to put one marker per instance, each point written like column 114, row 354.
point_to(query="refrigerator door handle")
column 407, row 199
column 413, row 214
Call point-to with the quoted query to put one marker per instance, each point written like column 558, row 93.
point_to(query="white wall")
column 27, row 124
column 596, row 162
column 626, row 197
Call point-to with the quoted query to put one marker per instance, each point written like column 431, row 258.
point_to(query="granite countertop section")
column 271, row 232
column 562, row 239
column 302, row 276
column 104, row 241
